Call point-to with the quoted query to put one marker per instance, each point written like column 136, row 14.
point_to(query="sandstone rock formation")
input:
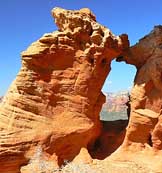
column 143, row 139
column 55, row 100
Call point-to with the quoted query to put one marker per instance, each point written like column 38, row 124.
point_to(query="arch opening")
column 117, row 91
column 115, row 112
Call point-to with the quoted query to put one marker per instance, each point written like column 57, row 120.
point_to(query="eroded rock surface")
column 55, row 100
column 143, row 139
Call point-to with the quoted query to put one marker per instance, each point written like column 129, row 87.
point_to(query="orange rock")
column 83, row 157
column 147, row 92
column 55, row 100
column 144, row 132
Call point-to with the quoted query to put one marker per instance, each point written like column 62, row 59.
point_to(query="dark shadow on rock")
column 111, row 138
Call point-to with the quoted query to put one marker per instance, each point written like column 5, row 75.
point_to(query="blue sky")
column 24, row 21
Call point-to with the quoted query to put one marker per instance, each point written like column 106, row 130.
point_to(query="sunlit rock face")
column 55, row 100
column 144, row 131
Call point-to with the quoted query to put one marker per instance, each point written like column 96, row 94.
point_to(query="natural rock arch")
column 55, row 100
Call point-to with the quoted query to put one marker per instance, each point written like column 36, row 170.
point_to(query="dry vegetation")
column 40, row 165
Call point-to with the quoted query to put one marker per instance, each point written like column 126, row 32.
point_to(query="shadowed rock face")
column 55, row 100
column 144, row 131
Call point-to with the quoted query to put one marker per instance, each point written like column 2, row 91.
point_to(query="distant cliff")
column 115, row 106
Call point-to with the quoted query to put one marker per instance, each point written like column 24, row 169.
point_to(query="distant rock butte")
column 55, row 100
column 116, row 102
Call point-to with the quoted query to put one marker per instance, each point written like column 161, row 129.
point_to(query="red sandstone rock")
column 55, row 100
column 143, row 141
column 51, row 111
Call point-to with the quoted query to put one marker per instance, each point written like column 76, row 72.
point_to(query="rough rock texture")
column 55, row 100
column 143, row 139
column 112, row 136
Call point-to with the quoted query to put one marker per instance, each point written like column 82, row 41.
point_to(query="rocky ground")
column 106, row 166
column 122, row 167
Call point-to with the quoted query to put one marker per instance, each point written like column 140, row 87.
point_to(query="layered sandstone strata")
column 55, row 100
column 144, row 132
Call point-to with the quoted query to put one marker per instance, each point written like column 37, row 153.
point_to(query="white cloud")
column 109, row 82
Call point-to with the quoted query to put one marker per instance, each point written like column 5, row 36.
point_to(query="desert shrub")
column 39, row 164
column 77, row 168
